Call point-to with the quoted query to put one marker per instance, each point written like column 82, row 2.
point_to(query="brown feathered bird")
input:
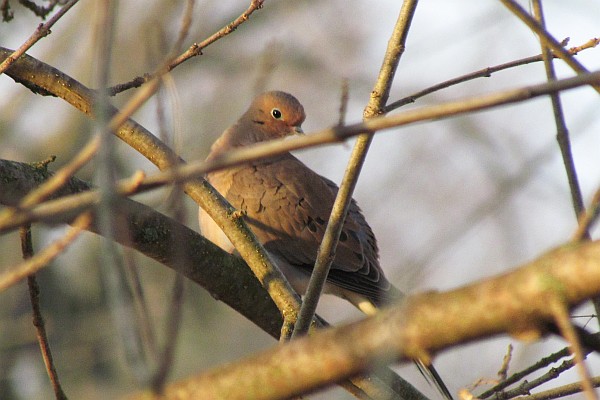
column 287, row 206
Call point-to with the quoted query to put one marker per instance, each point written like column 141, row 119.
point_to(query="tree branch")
column 515, row 303
column 379, row 97
column 225, row 276
column 44, row 79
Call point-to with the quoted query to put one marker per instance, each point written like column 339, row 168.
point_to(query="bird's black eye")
column 276, row 113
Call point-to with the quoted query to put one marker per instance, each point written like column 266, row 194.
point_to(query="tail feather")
column 371, row 304
column 432, row 376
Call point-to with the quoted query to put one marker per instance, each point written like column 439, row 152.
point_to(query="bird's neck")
column 236, row 137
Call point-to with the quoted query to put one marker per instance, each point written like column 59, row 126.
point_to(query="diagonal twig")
column 331, row 135
column 41, row 31
column 561, row 316
column 561, row 391
column 483, row 73
column 587, row 219
column 15, row 274
column 562, row 132
column 195, row 49
column 547, row 39
column 379, row 97
column 153, row 234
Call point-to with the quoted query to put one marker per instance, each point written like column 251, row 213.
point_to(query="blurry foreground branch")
column 514, row 303
column 226, row 277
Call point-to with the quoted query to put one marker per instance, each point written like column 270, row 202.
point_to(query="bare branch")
column 563, row 321
column 482, row 73
column 42, row 30
column 39, row 261
column 587, row 219
column 38, row 319
column 427, row 322
column 223, row 275
column 195, row 49
column 53, row 81
column 561, row 391
column 562, row 132
column 547, row 39
column 379, row 97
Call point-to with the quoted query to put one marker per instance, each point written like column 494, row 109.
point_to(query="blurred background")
column 450, row 201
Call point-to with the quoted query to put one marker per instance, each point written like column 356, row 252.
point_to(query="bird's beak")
column 298, row 130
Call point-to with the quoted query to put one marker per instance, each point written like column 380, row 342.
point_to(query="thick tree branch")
column 226, row 277
column 515, row 303
column 153, row 234
column 44, row 79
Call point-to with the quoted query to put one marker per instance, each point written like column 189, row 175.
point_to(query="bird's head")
column 275, row 115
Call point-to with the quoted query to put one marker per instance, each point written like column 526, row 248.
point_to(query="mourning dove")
column 287, row 206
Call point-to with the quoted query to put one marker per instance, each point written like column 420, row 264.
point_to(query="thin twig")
column 91, row 148
column 184, row 26
column 38, row 319
column 593, row 42
column 39, row 261
column 547, row 39
column 269, row 59
column 143, row 315
column 205, row 195
column 562, row 132
column 173, row 324
column 561, row 315
column 172, row 329
column 330, row 135
column 142, row 95
column 561, row 391
column 343, row 102
column 195, row 49
column 62, row 175
column 204, row 264
column 503, row 372
column 482, row 73
column 41, row 31
column 587, row 219
column 388, row 334
column 527, row 386
column 119, row 294
column 379, row 97
column 543, row 363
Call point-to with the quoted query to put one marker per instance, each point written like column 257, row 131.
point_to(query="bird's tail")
column 390, row 295
column 432, row 376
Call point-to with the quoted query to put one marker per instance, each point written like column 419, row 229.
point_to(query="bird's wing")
column 288, row 206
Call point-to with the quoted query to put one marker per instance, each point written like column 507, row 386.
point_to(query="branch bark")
column 515, row 303
column 225, row 276
column 44, row 79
